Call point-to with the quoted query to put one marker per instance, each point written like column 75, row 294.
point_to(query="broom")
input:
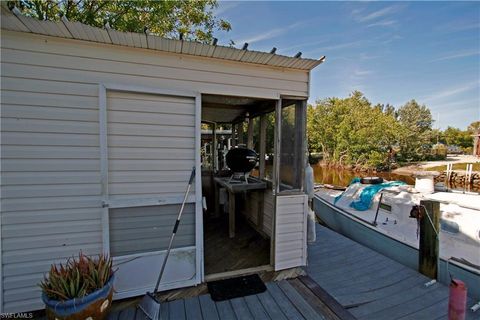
column 149, row 303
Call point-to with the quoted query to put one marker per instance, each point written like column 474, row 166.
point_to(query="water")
column 342, row 177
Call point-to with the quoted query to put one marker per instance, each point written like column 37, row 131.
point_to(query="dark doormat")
column 236, row 287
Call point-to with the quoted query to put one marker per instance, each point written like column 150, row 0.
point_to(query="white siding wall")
column 51, row 201
column 290, row 231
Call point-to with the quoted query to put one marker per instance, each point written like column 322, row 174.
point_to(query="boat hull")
column 365, row 234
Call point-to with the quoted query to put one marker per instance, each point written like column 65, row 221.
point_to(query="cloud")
column 270, row 34
column 450, row 92
column 383, row 23
column 350, row 44
column 459, row 25
column 224, row 6
column 361, row 73
column 458, row 55
column 359, row 16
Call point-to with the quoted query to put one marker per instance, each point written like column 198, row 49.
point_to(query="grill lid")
column 241, row 159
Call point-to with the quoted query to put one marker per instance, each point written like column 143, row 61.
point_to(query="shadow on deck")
column 286, row 299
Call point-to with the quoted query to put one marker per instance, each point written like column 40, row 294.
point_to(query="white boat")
column 386, row 227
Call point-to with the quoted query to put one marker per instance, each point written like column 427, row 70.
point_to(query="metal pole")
column 378, row 208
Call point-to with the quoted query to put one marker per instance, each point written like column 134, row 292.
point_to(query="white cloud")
column 361, row 17
column 450, row 92
column 457, row 55
column 361, row 73
column 383, row 23
column 224, row 6
column 270, row 34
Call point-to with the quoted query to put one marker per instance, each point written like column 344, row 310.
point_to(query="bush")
column 78, row 277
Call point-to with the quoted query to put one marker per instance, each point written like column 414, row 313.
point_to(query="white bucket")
column 424, row 183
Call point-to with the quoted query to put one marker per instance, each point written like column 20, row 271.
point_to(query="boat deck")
column 346, row 280
column 372, row 286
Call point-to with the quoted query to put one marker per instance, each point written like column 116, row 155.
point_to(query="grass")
column 456, row 166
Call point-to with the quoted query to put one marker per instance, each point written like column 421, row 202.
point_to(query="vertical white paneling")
column 290, row 231
column 141, row 224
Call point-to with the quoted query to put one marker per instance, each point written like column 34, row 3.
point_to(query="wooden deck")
column 286, row 299
column 372, row 286
column 345, row 281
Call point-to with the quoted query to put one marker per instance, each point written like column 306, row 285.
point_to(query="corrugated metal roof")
column 14, row 21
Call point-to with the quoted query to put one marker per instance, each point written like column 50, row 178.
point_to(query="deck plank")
column 209, row 310
column 297, row 300
column 283, row 302
column 164, row 310
column 127, row 314
column 176, row 310
column 225, row 310
column 362, row 274
column 435, row 311
column 140, row 315
column 271, row 306
column 349, row 298
column 192, row 309
column 241, row 309
column 256, row 308
column 399, row 299
column 406, row 307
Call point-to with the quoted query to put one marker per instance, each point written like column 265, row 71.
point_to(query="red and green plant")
column 78, row 277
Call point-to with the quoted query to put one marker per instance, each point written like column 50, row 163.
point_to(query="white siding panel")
column 290, row 231
column 45, row 139
column 168, row 166
column 60, row 68
column 49, row 100
column 63, row 47
column 50, row 175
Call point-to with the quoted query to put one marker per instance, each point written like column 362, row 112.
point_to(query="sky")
column 391, row 51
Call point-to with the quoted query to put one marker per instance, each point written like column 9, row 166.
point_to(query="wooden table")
column 233, row 187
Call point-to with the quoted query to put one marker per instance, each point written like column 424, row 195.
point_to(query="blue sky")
column 391, row 51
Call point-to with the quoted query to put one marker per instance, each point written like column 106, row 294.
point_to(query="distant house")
column 476, row 144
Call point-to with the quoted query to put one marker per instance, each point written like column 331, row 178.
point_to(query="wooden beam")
column 326, row 298
column 250, row 134
column 234, row 133
column 262, row 145
column 277, row 144
column 429, row 244
column 300, row 142
column 231, row 215
column 240, row 132
column 214, row 147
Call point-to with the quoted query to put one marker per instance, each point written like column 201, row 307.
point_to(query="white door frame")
column 102, row 94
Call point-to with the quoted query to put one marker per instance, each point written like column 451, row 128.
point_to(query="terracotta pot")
column 94, row 306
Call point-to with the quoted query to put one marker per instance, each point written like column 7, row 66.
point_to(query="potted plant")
column 80, row 289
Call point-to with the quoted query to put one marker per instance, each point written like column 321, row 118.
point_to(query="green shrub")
column 78, row 277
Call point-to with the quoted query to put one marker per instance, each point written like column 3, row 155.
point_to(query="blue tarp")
column 366, row 196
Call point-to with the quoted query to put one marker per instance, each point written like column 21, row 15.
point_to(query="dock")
column 372, row 286
column 345, row 280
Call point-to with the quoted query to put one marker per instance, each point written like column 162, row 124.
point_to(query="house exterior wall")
column 50, row 159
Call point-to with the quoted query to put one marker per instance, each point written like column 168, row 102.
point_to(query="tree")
column 454, row 136
column 416, row 131
column 190, row 19
column 351, row 131
column 474, row 127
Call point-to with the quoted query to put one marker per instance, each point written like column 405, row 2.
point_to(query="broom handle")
column 174, row 230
